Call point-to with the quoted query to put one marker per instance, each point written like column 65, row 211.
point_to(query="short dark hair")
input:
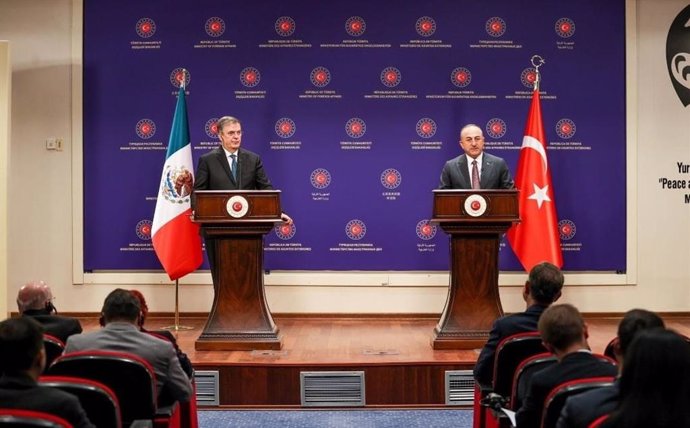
column 120, row 305
column 545, row 282
column 21, row 339
column 633, row 322
column 561, row 326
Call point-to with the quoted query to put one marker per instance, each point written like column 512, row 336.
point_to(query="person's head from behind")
column 142, row 304
column 21, row 347
column 562, row 329
column 121, row 305
column 544, row 284
column 634, row 322
column 35, row 295
column 472, row 140
column 655, row 382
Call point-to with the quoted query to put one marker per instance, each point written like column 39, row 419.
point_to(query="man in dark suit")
column 22, row 359
column 35, row 300
column 583, row 409
column 564, row 333
column 230, row 167
column 475, row 169
column 121, row 333
column 543, row 287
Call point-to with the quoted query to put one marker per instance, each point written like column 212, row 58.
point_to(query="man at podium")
column 475, row 169
column 230, row 167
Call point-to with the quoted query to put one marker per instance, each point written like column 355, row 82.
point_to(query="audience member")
column 543, row 287
column 583, row 409
column 120, row 313
column 163, row 334
column 23, row 358
column 654, row 383
column 35, row 300
column 564, row 333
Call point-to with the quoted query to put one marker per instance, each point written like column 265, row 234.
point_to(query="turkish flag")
column 535, row 239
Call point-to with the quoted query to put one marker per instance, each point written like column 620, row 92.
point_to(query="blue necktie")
column 233, row 166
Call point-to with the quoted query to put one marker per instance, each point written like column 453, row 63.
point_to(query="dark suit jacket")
column 495, row 174
column 22, row 392
column 503, row 327
column 126, row 337
column 583, row 409
column 213, row 172
column 55, row 325
column 576, row 365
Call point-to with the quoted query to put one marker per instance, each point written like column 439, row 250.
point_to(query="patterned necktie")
column 475, row 175
column 233, row 166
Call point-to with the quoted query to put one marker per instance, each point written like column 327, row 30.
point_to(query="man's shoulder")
column 211, row 153
column 493, row 158
column 594, row 398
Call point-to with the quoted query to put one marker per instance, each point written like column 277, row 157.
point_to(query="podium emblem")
column 237, row 206
column 475, row 205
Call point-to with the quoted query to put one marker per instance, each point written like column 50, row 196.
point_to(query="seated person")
column 36, row 300
column 165, row 334
column 543, row 287
column 654, row 383
column 23, row 359
column 120, row 313
column 583, row 409
column 564, row 333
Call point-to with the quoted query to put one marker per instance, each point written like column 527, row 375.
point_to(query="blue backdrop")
column 354, row 107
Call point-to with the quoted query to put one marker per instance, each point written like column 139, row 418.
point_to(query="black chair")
column 554, row 402
column 98, row 401
column 131, row 378
column 54, row 348
column 18, row 418
column 524, row 373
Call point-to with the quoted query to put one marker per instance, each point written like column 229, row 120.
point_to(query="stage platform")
column 401, row 369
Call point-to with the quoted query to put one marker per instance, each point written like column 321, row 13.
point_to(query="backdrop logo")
column 425, row 230
column 320, row 77
column 355, row 127
column 426, row 127
column 565, row 128
column 678, row 55
column 215, row 27
column 461, row 77
column 495, row 26
column 528, row 76
column 250, row 77
column 211, row 127
column 391, row 178
column 146, row 128
column 355, row 229
column 355, row 26
column 143, row 230
column 177, row 184
column 285, row 231
column 285, row 127
column 565, row 27
column 285, row 26
column 320, row 178
column 391, row 77
column 496, row 128
column 425, row 26
column 566, row 229
column 179, row 75
column 145, row 28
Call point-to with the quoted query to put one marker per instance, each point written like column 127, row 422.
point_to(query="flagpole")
column 537, row 61
column 177, row 326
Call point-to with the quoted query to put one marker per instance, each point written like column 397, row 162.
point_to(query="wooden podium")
column 475, row 221
column 236, row 221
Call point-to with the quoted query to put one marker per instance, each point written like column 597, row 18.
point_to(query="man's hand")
column 286, row 218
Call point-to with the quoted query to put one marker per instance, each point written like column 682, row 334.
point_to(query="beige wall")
column 5, row 103
column 45, row 188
